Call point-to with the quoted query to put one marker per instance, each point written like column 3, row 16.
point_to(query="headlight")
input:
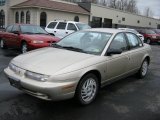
column 37, row 41
column 153, row 36
column 16, row 69
column 12, row 67
column 36, row 76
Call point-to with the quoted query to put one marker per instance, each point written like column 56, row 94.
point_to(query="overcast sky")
column 153, row 4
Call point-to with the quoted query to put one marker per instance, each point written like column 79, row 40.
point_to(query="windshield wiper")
column 73, row 49
column 41, row 33
column 56, row 45
column 28, row 33
column 68, row 48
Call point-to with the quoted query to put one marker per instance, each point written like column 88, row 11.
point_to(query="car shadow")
column 10, row 52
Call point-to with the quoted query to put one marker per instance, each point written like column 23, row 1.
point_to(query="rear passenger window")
column 61, row 25
column 133, row 40
column 52, row 25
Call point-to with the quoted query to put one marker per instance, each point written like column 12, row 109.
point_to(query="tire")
column 148, row 41
column 24, row 47
column 87, row 89
column 2, row 44
column 144, row 69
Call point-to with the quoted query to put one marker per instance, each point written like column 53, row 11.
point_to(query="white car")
column 134, row 31
column 62, row 28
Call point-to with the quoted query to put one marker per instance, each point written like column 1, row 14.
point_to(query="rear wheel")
column 2, row 44
column 144, row 69
column 87, row 89
column 24, row 47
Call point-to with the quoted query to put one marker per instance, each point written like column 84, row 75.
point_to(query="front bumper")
column 43, row 90
column 32, row 46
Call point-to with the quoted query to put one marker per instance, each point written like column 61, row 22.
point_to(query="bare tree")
column 148, row 12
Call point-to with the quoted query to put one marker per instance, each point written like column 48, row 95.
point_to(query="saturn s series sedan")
column 80, row 64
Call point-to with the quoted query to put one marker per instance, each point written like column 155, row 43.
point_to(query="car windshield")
column 150, row 32
column 32, row 29
column 157, row 31
column 82, row 26
column 134, row 31
column 85, row 41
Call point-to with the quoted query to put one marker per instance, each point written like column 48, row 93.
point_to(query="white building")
column 102, row 16
column 40, row 12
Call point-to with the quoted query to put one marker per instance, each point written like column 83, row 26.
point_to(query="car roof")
column 64, row 21
column 107, row 30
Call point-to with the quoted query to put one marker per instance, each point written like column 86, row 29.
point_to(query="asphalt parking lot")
column 127, row 99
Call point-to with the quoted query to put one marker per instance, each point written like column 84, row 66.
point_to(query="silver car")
column 80, row 64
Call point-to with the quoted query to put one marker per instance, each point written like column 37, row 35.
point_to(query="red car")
column 26, row 37
column 150, row 36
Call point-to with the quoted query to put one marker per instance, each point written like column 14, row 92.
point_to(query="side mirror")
column 51, row 34
column 113, row 51
column 16, row 32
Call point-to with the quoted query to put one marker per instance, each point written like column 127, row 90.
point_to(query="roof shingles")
column 55, row 5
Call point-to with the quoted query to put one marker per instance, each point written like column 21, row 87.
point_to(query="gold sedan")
column 79, row 64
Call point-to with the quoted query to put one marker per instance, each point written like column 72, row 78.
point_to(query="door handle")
column 66, row 32
column 55, row 31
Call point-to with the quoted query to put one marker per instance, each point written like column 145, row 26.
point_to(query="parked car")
column 156, row 31
column 26, row 37
column 149, row 36
column 79, row 64
column 134, row 31
column 62, row 28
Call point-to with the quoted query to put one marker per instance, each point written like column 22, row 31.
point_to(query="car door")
column 8, row 35
column 60, row 31
column 136, row 51
column 70, row 28
column 117, row 63
column 14, row 42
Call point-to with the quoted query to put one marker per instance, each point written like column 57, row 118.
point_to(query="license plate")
column 15, row 83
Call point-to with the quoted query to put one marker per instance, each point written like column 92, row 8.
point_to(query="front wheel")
column 144, row 69
column 148, row 41
column 24, row 47
column 87, row 89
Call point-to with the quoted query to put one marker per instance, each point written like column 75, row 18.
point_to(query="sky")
column 154, row 5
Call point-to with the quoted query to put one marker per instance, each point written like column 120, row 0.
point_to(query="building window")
column 138, row 21
column 28, row 17
column 96, row 22
column 149, row 23
column 17, row 17
column 2, row 19
column 123, row 19
column 43, row 19
column 76, row 19
column 2, row 2
column 22, row 17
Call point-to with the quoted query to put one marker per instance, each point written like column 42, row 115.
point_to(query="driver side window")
column 119, row 42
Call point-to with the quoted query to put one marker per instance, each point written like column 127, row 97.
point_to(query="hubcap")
column 2, row 44
column 148, row 41
column 144, row 68
column 89, row 89
column 24, row 48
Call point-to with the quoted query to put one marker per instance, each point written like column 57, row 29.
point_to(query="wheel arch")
column 96, row 73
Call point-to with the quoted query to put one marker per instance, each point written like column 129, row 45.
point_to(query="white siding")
column 116, row 16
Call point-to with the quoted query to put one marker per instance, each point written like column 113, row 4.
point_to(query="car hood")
column 50, row 60
column 41, row 37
